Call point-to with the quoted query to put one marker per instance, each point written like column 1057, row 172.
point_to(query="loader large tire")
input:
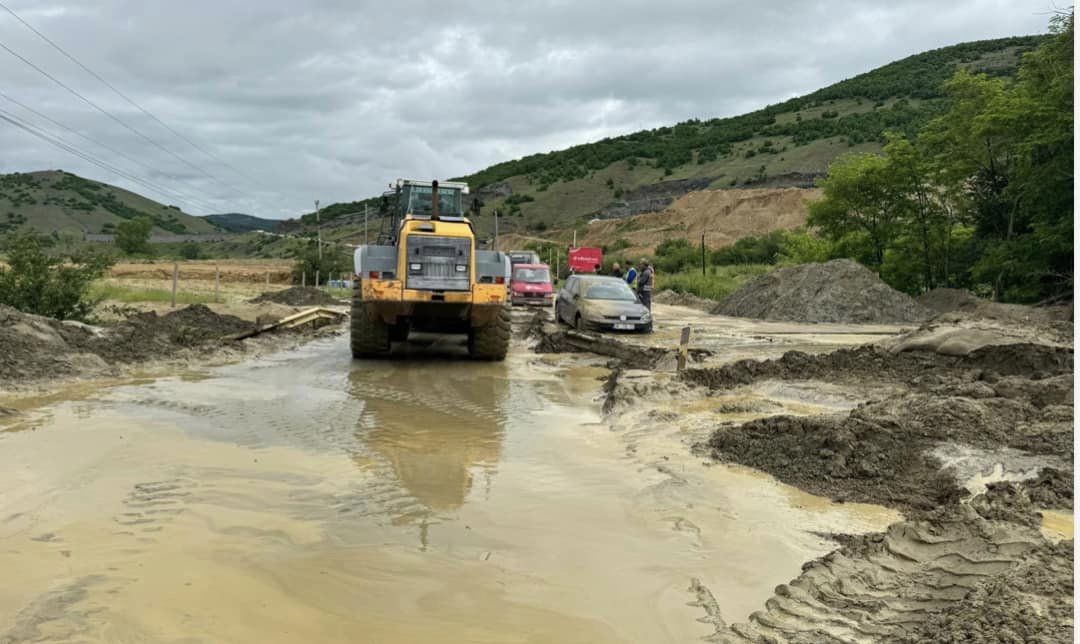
column 368, row 337
column 491, row 342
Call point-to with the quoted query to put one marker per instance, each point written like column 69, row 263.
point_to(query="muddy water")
column 307, row 497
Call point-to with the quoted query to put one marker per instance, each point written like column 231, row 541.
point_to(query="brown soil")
column 230, row 271
column 841, row 291
column 978, row 572
column 988, row 366
column 37, row 349
column 298, row 296
column 880, row 452
column 723, row 216
column 688, row 300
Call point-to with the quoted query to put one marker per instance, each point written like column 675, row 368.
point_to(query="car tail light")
column 374, row 275
column 500, row 280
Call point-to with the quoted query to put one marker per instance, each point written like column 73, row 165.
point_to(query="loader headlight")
column 461, row 268
column 416, row 268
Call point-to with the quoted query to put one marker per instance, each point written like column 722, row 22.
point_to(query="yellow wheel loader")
column 427, row 274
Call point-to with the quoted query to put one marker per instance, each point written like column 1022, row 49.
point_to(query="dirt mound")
column 943, row 300
column 38, row 348
column 881, row 451
column 960, row 575
column 841, row 290
column 148, row 336
column 298, row 296
column 917, row 369
column 689, row 300
column 32, row 347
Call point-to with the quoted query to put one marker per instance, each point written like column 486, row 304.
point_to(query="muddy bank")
column 625, row 355
column 36, row 349
column 689, row 300
column 975, row 572
column 298, row 296
column 882, row 451
column 920, row 369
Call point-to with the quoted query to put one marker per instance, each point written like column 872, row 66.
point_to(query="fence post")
column 217, row 284
column 268, row 277
column 303, row 279
column 316, row 279
column 175, row 276
column 684, row 342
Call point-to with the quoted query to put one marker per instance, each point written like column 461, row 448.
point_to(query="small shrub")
column 54, row 286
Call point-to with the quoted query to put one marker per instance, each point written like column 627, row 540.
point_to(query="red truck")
column 530, row 284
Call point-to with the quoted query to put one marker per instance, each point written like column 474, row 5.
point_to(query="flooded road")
column 309, row 497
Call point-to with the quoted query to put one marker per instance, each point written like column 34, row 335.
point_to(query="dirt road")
column 308, row 497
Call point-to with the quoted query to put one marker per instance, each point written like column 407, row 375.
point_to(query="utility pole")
column 318, row 227
column 702, row 253
column 496, row 230
column 365, row 224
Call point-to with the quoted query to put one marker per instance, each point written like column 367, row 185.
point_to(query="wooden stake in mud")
column 217, row 284
column 268, row 278
column 175, row 276
column 684, row 343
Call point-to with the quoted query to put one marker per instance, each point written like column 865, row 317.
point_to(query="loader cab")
column 415, row 198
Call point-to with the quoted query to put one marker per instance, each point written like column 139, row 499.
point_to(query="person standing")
column 616, row 270
column 645, row 284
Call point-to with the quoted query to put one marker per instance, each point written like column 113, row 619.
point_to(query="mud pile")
column 686, row 299
column 841, row 291
column 944, row 300
column 298, row 296
column 149, row 336
column 882, row 451
column 989, row 366
column 978, row 572
column 34, row 348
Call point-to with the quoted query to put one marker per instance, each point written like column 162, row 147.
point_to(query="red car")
column 531, row 284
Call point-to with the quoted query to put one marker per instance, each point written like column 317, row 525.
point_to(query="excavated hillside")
column 724, row 216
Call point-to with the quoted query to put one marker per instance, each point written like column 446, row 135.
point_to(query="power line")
column 173, row 194
column 123, row 95
column 86, row 156
column 110, row 115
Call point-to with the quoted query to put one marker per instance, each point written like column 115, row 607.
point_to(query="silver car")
column 593, row 302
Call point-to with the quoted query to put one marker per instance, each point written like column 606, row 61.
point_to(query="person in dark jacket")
column 616, row 270
column 645, row 284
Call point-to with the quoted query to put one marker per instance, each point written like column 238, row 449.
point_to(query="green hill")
column 788, row 144
column 235, row 222
column 54, row 201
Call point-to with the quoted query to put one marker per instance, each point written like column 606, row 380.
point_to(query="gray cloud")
column 333, row 99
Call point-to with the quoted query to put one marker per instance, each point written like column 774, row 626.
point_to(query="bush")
column 334, row 261
column 54, row 286
column 190, row 250
column 717, row 284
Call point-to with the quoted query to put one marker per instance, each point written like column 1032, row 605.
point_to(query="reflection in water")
column 437, row 427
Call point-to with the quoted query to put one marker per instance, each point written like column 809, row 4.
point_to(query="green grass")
column 129, row 295
column 716, row 284
column 339, row 293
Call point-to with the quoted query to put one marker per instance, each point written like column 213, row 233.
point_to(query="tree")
column 858, row 197
column 335, row 260
column 55, row 286
column 133, row 236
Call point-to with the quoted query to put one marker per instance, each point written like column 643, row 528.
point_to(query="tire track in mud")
column 891, row 586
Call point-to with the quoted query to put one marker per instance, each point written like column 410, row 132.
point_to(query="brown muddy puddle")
column 307, row 497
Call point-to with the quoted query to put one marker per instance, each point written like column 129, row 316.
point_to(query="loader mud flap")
column 492, row 341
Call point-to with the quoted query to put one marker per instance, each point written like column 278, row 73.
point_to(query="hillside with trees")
column 58, row 202
column 787, row 144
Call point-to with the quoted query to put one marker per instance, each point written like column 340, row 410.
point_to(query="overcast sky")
column 333, row 99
